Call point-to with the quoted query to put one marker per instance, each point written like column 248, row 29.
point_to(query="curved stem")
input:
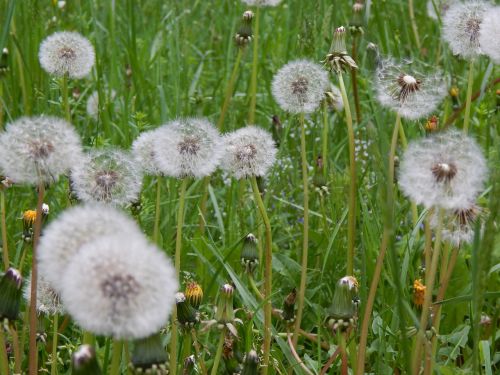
column 255, row 288
column 65, row 98
column 5, row 245
column 255, row 61
column 55, row 336
column 218, row 354
column 468, row 100
column 156, row 228
column 33, row 350
column 116, row 359
column 351, row 220
column 305, row 243
column 330, row 361
column 414, row 23
column 296, row 356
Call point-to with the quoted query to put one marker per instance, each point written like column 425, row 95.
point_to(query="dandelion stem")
column 255, row 61
column 17, row 349
column 156, row 228
column 218, row 354
column 33, row 350
column 351, row 220
column 468, row 100
column 88, row 338
column 229, row 90
column 65, row 98
column 324, row 148
column 55, row 336
column 5, row 247
column 116, row 358
column 380, row 258
column 414, row 23
column 305, row 243
column 199, row 355
column 268, row 270
column 4, row 361
column 296, row 356
column 255, row 288
column 354, row 78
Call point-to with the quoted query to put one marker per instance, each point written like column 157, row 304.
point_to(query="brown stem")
column 296, row 356
column 354, row 74
column 330, row 361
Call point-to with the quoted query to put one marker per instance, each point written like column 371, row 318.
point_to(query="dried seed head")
column 490, row 30
column 458, row 224
column 338, row 59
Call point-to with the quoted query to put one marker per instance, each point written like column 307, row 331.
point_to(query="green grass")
column 181, row 55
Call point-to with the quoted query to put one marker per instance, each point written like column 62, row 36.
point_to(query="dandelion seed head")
column 458, row 225
column 411, row 94
column 48, row 301
column 34, row 149
column 489, row 38
column 299, row 86
column 250, row 151
column 444, row 170
column 63, row 237
column 462, row 25
column 262, row 3
column 144, row 152
column 121, row 286
column 108, row 175
column 442, row 7
column 67, row 53
column 190, row 147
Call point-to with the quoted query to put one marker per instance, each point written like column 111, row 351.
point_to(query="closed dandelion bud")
column 194, row 294
column 338, row 59
column 418, row 293
column 149, row 356
column 288, row 313
column 454, row 97
column 319, row 179
column 187, row 316
column 84, row 361
column 10, row 294
column 249, row 253
column 356, row 23
column 225, row 311
column 344, row 307
column 251, row 364
column 244, row 34
column 432, row 124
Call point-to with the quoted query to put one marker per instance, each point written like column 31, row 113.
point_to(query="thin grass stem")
column 5, row 245
column 414, row 24
column 218, row 354
column 468, row 100
column 4, row 361
column 55, row 336
column 156, row 227
column 116, row 358
column 255, row 61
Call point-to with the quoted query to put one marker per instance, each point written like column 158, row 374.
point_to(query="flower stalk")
column 468, row 100
column 116, row 358
column 255, row 61
column 5, row 247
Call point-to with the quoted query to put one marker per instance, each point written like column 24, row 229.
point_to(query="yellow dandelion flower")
column 194, row 293
column 418, row 293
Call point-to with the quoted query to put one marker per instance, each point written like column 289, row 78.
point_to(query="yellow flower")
column 29, row 217
column 418, row 293
column 194, row 294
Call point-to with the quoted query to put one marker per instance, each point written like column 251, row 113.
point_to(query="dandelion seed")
column 121, row 286
column 93, row 103
column 489, row 38
column 442, row 7
column 48, row 301
column 299, row 86
column 250, row 151
column 144, row 152
column 262, row 3
column 67, row 53
column 38, row 149
column 445, row 170
column 63, row 237
column 458, row 224
column 190, row 147
column 411, row 94
column 462, row 25
column 109, row 175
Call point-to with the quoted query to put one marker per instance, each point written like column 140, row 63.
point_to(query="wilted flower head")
column 442, row 7
column 144, row 152
column 120, row 285
column 299, row 86
column 108, row 175
column 244, row 34
column 462, row 25
column 38, row 149
column 444, row 170
column 190, row 147
column 93, row 103
column 250, row 151
column 63, row 237
column 67, row 53
column 410, row 93
column 262, row 3
column 338, row 59
column 47, row 299
column 490, row 31
column 458, row 225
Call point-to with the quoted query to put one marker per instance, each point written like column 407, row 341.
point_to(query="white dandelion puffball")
column 67, row 53
column 107, row 175
column 144, row 152
column 458, row 225
column 34, row 149
column 93, row 103
column 445, row 170
column 250, row 151
column 442, row 7
column 120, row 286
column 300, row 86
column 462, row 25
column 189, row 147
column 63, row 237
column 262, row 3
column 408, row 92
column 48, row 301
column 489, row 38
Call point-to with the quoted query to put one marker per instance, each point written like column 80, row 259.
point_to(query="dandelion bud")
column 149, row 356
column 418, row 293
column 244, row 34
column 373, row 56
column 225, row 311
column 194, row 294
column 187, row 316
column 10, row 294
column 288, row 313
column 344, row 307
column 319, row 179
column 249, row 253
column 84, row 361
column 338, row 60
column 432, row 124
column 356, row 23
column 251, row 363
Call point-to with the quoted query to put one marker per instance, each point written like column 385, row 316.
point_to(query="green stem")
column 255, row 61
column 351, row 221
column 218, row 354
column 178, row 248
column 4, row 360
column 116, row 358
column 470, row 82
column 268, row 270
column 380, row 258
column 156, row 228
column 88, row 338
column 5, row 247
column 324, row 148
column 17, row 349
column 65, row 98
column 305, row 242
column 55, row 336
column 354, row 78
column 254, row 287
column 199, row 354
column 414, row 23
column 229, row 90
column 33, row 350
